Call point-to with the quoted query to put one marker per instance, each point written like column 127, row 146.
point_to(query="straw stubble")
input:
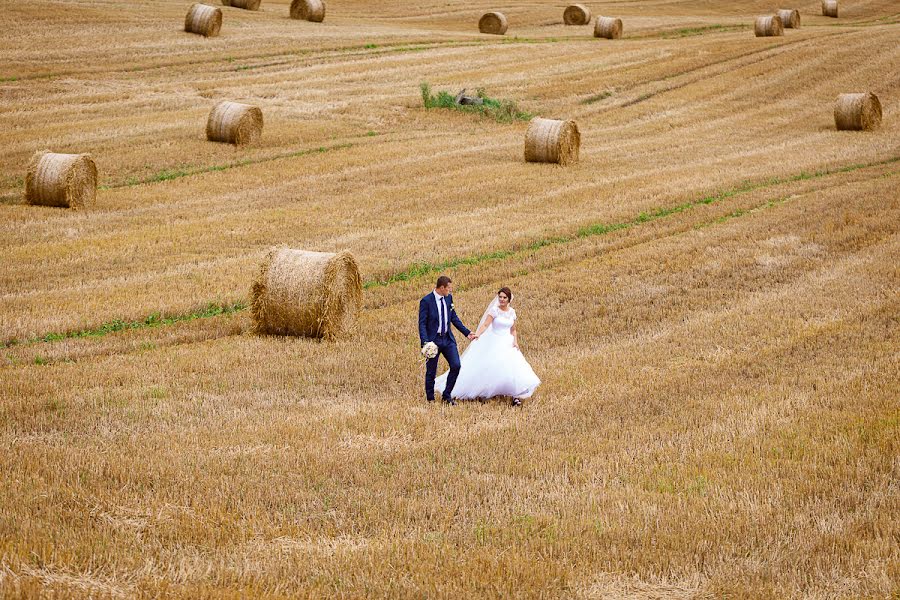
column 65, row 180
column 311, row 294
column 552, row 141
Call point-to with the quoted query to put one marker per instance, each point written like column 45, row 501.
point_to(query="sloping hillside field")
column 710, row 296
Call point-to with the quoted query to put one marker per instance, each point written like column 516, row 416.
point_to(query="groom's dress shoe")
column 429, row 399
column 450, row 401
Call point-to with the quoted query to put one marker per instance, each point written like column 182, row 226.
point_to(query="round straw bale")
column 859, row 112
column 552, row 141
column 493, row 22
column 245, row 4
column 577, row 14
column 608, row 27
column 308, row 10
column 234, row 123
column 313, row 294
column 203, row 19
column 790, row 18
column 67, row 180
column 830, row 8
column 769, row 26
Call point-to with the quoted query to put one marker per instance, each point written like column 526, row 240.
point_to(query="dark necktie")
column 443, row 313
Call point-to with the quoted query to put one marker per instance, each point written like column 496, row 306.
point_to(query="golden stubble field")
column 711, row 297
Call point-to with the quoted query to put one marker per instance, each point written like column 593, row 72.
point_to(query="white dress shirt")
column 444, row 326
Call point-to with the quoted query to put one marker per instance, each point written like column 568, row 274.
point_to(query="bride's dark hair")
column 505, row 290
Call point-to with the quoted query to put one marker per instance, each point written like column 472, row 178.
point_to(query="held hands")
column 472, row 336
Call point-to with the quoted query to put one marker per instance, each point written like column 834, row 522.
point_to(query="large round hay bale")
column 552, row 141
column 203, row 19
column 857, row 112
column 608, row 27
column 768, row 26
column 308, row 10
column 314, row 294
column 234, row 123
column 830, row 8
column 493, row 22
column 245, row 4
column 790, row 18
column 68, row 180
column 577, row 14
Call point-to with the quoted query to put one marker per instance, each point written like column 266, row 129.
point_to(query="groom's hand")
column 472, row 336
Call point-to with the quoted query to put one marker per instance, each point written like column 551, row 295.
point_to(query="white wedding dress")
column 491, row 366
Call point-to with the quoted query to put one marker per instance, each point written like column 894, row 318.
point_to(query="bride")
column 492, row 365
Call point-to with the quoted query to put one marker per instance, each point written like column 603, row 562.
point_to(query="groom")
column 436, row 313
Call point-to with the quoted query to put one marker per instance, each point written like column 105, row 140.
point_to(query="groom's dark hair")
column 442, row 281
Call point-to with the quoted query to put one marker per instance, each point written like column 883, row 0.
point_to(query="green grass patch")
column 692, row 31
column 155, row 320
column 502, row 111
column 597, row 97
column 170, row 174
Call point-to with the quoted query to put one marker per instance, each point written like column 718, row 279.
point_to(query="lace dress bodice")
column 503, row 320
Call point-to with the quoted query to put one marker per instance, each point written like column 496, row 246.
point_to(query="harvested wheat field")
column 710, row 296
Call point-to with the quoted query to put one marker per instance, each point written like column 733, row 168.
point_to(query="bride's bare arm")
column 515, row 335
column 483, row 328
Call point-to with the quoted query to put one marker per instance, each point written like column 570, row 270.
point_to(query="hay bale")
column 67, row 180
column 313, row 294
column 203, row 19
column 493, row 22
column 234, row 123
column 552, row 141
column 768, row 26
column 577, row 14
column 790, row 18
column 245, row 4
column 830, row 8
column 608, row 27
column 857, row 112
column 308, row 10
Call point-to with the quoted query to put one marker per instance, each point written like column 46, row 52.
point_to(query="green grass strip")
column 694, row 31
column 425, row 268
column 597, row 229
column 155, row 320
column 169, row 175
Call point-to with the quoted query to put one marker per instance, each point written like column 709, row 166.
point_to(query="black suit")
column 434, row 326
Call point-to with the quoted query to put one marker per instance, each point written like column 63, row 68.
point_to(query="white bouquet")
column 429, row 350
